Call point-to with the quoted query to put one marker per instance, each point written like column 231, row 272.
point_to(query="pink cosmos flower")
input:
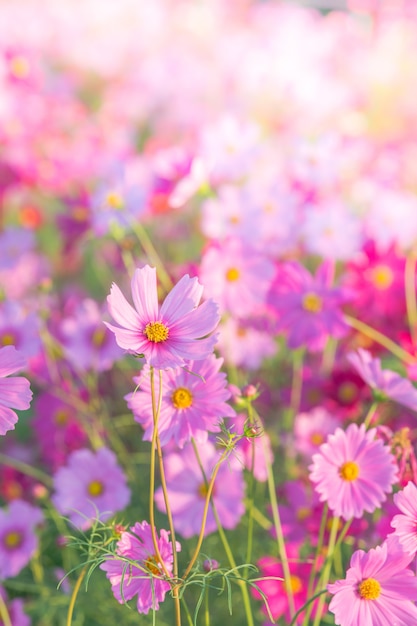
column 193, row 402
column 312, row 428
column 353, row 471
column 405, row 524
column 146, row 579
column 15, row 609
column 18, row 541
column 389, row 383
column 187, row 490
column 378, row 590
column 15, row 391
column 169, row 335
column 91, row 486
column 307, row 307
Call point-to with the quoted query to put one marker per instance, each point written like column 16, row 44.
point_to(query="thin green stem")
column 297, row 381
column 4, row 613
column 410, row 293
column 74, row 595
column 313, row 572
column 378, row 337
column 370, row 414
column 26, row 469
column 324, row 579
column 251, row 488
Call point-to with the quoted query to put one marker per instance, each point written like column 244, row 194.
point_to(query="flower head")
column 146, row 580
column 378, row 589
column 166, row 335
column 15, row 392
column 18, row 541
column 405, row 523
column 353, row 471
column 90, row 486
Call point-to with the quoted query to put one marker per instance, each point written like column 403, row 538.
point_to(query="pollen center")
column 95, row 488
column 349, row 471
column 232, row 274
column 316, row 439
column 369, row 589
column 7, row 340
column 99, row 337
column 312, row 303
column 347, row 392
column 61, row 417
column 182, row 398
column 19, row 66
column 151, row 565
column 156, row 332
column 13, row 539
column 382, row 277
column 296, row 584
column 114, row 200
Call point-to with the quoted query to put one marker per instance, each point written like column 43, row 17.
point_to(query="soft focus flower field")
column 208, row 313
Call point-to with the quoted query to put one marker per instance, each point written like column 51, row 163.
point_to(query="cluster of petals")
column 405, row 523
column 169, row 335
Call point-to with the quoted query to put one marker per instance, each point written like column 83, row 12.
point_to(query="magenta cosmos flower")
column 353, row 471
column 405, row 524
column 15, row 610
column 18, row 540
column 389, row 384
column 15, row 392
column 307, row 307
column 193, row 402
column 146, row 579
column 379, row 589
column 91, row 486
column 169, row 335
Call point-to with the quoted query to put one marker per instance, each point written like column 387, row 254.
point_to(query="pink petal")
column 183, row 298
column 144, row 293
column 11, row 361
column 8, row 419
column 120, row 309
column 15, row 393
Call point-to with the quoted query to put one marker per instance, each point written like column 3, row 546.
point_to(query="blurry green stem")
column 319, row 547
column 375, row 335
column 370, row 414
column 410, row 293
column 327, row 568
column 24, row 468
column 74, row 595
column 297, row 382
column 4, row 613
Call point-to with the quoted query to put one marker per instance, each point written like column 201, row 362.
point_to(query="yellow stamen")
column 19, row 66
column 156, row 332
column 95, row 488
column 202, row 491
column 7, row 340
column 303, row 513
column 114, row 200
column 13, row 539
column 382, row 277
column 349, row 471
column 347, row 392
column 296, row 584
column 61, row 417
column 369, row 589
column 99, row 336
column 151, row 565
column 312, row 303
column 232, row 274
column 316, row 439
column 182, row 398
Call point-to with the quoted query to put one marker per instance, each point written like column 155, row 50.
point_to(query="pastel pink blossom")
column 405, row 524
column 379, row 589
column 391, row 384
column 18, row 540
column 169, row 335
column 146, row 579
column 15, row 391
column 353, row 471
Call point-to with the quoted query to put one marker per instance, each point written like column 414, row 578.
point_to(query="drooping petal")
column 15, row 393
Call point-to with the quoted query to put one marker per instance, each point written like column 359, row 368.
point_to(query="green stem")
column 410, row 293
column 153, row 256
column 327, row 568
column 313, row 572
column 74, row 596
column 378, row 337
column 4, row 613
column 297, row 381
column 370, row 414
column 251, row 487
column 26, row 469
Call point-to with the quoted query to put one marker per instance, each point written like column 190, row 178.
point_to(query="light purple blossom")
column 18, row 540
column 91, row 486
column 15, row 391
column 405, row 524
column 146, row 579
column 169, row 335
column 15, row 609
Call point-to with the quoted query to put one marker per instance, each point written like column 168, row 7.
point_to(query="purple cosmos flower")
column 378, row 589
column 169, row 335
column 91, row 486
column 15, row 391
column 146, row 580
column 18, row 541
column 405, row 524
column 15, row 609
column 193, row 402
column 308, row 309
column 389, row 383
column 353, row 471
column 187, row 490
column 20, row 329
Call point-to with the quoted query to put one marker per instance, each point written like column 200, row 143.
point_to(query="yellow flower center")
column 369, row 589
column 156, row 332
column 80, row 214
column 7, row 340
column 13, row 539
column 202, row 491
column 182, row 398
column 296, row 583
column 303, row 513
column 347, row 391
column 316, row 439
column 232, row 274
column 312, row 303
column 19, row 66
column 61, row 417
column 151, row 565
column 99, row 336
column 382, row 277
column 349, row 471
column 114, row 200
column 95, row 488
